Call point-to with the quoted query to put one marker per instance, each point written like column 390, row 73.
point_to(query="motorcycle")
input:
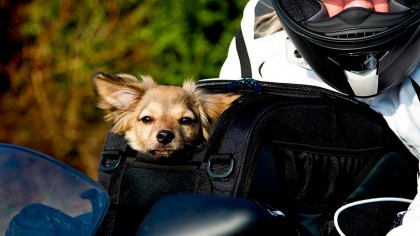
column 40, row 195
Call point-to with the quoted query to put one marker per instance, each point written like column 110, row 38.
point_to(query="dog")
column 159, row 120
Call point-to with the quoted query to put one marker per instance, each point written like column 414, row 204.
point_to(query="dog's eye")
column 186, row 121
column 146, row 119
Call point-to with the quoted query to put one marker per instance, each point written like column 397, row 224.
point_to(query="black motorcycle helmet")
column 356, row 41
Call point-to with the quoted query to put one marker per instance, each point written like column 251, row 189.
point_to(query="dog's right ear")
column 118, row 94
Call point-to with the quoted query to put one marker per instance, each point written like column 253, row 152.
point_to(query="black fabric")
column 416, row 88
column 114, row 147
column 246, row 71
column 301, row 10
column 410, row 4
column 300, row 149
column 136, row 183
column 323, row 156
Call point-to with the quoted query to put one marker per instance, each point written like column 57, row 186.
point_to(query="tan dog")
column 156, row 119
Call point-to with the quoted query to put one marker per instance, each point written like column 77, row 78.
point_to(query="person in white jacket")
column 367, row 49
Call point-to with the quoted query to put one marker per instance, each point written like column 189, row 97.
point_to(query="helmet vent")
column 354, row 35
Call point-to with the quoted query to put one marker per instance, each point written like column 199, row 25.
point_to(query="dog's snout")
column 165, row 136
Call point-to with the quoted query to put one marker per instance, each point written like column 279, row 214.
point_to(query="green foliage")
column 170, row 40
column 190, row 39
column 52, row 97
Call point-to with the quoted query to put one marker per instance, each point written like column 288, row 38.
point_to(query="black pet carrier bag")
column 302, row 150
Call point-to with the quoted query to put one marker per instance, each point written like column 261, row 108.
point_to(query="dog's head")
column 158, row 119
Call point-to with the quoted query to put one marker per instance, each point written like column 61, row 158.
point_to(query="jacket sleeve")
column 231, row 68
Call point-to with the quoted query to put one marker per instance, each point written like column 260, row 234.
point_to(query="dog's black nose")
column 165, row 136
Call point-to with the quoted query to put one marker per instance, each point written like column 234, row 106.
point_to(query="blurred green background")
column 49, row 49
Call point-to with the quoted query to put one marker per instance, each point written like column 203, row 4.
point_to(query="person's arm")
column 231, row 67
column 410, row 222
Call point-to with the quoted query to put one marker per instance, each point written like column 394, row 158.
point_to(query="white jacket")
column 272, row 60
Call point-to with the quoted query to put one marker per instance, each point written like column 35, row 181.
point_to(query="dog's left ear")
column 117, row 94
column 210, row 106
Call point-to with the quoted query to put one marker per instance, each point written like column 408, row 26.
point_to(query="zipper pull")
column 245, row 82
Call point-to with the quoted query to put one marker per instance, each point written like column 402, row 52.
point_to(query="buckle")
column 220, row 166
column 111, row 160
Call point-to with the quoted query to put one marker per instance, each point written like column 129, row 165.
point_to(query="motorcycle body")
column 42, row 196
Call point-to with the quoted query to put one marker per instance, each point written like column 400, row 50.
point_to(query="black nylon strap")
column 246, row 71
column 114, row 147
column 243, row 125
column 416, row 88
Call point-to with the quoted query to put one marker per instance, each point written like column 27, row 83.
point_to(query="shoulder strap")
column 246, row 71
column 416, row 87
column 230, row 162
column 112, row 156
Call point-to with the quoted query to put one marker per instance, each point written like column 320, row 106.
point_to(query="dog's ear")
column 118, row 94
column 210, row 106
